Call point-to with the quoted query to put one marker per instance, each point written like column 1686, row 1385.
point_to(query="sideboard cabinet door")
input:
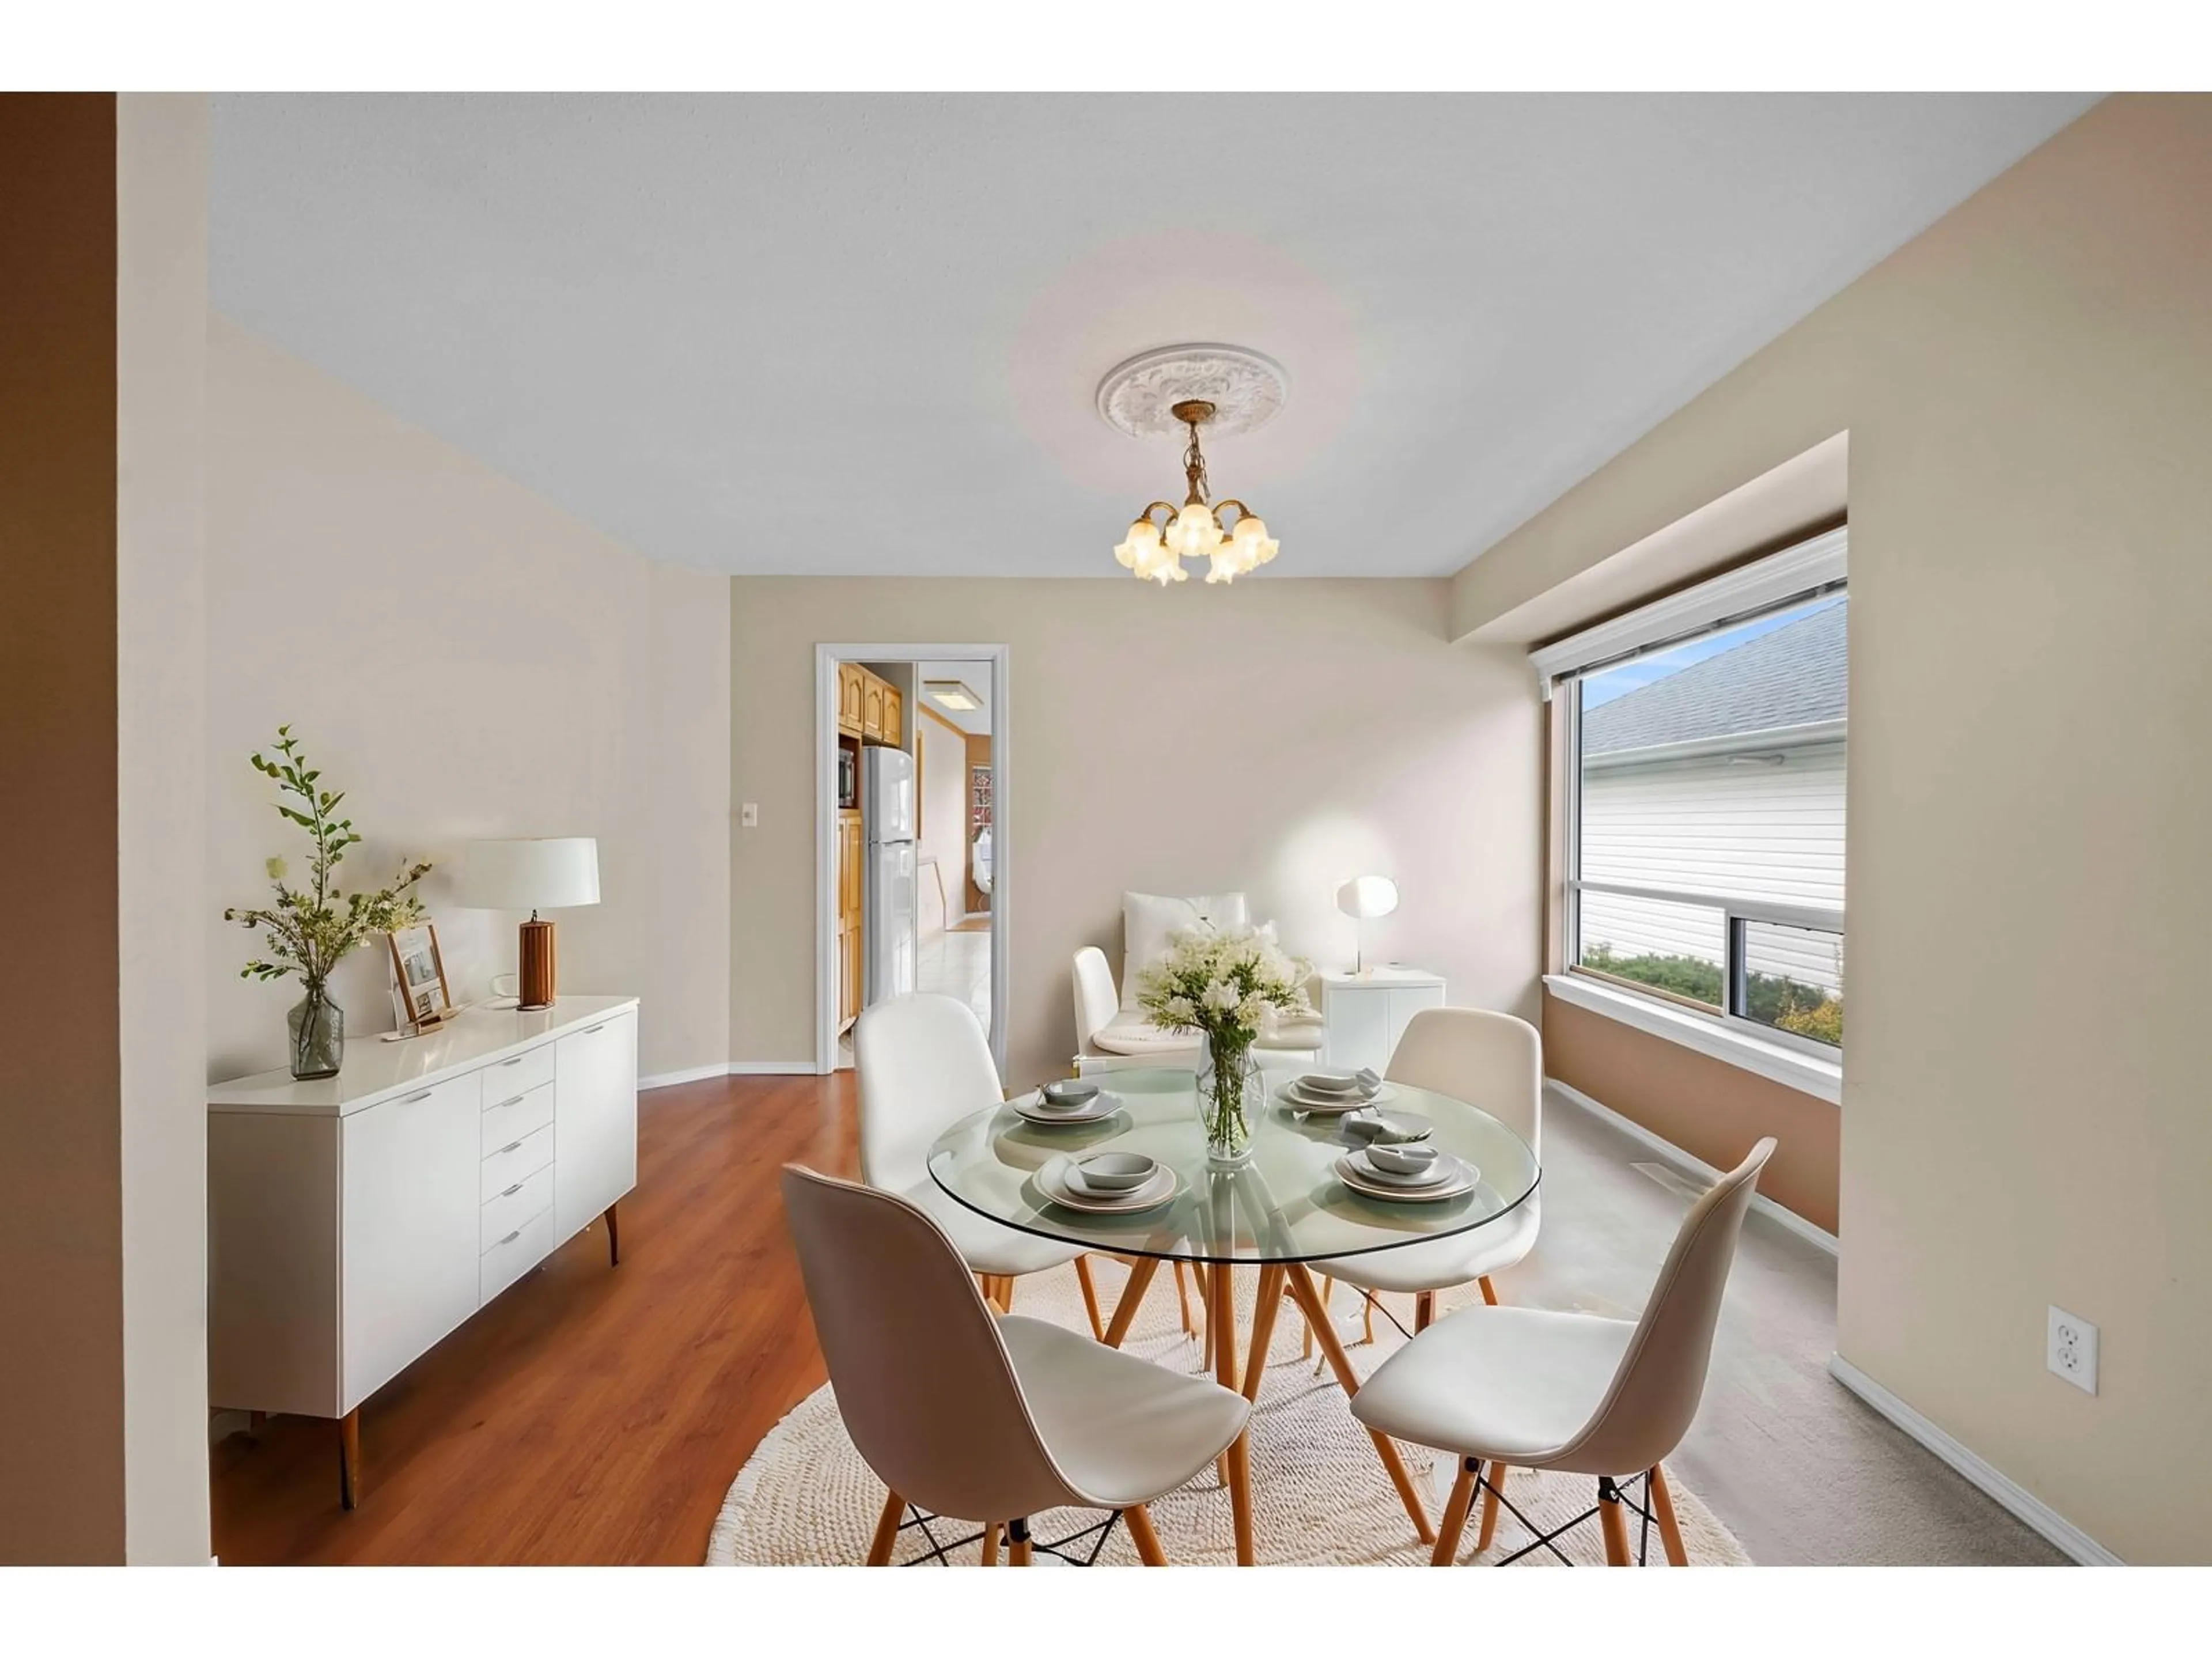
column 594, row 1121
column 411, row 1214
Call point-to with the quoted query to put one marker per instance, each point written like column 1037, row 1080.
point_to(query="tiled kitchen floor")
column 957, row 964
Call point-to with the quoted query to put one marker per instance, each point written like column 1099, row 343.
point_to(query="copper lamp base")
column 536, row 957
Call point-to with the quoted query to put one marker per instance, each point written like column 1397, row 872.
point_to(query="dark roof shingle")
column 1792, row 676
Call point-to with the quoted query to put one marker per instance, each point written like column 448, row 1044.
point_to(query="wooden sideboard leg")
column 614, row 1239
column 349, row 1459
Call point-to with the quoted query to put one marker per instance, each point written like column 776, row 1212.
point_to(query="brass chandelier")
column 1155, row 549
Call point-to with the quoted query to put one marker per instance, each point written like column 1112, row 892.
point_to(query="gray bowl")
column 1070, row 1093
column 1408, row 1158
column 1117, row 1172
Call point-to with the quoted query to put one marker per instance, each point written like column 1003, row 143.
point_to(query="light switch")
column 749, row 815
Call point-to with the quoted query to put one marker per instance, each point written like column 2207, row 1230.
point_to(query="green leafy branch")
column 306, row 932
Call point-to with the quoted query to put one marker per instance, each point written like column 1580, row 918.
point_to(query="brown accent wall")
column 1708, row 1107
column 61, row 1254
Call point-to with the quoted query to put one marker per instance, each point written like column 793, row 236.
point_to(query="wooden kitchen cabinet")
column 894, row 717
column 849, row 677
column 851, row 849
column 871, row 706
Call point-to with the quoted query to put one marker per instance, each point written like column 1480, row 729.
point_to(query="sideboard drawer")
column 516, row 1118
column 508, row 1209
column 519, row 1074
column 516, row 1161
column 513, row 1253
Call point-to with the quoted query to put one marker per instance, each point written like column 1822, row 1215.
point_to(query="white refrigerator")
column 887, row 901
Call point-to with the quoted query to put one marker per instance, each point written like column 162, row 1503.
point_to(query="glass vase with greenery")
column 308, row 930
column 1225, row 983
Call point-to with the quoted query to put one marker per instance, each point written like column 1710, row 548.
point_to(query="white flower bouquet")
column 1225, row 983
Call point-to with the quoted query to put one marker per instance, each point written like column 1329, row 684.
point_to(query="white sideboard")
column 354, row 1221
column 1366, row 1012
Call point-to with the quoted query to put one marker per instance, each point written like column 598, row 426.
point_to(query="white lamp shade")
column 1368, row 896
column 530, row 875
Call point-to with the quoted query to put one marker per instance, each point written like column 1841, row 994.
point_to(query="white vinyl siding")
column 1715, row 826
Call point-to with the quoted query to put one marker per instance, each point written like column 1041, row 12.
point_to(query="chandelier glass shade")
column 1164, row 536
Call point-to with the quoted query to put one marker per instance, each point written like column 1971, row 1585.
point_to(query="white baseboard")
column 771, row 1068
column 693, row 1074
column 1788, row 1218
column 2008, row 1493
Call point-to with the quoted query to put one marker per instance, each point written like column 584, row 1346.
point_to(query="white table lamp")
column 547, row 874
column 1363, row 898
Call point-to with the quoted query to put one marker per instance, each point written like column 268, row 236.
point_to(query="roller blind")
column 1811, row 567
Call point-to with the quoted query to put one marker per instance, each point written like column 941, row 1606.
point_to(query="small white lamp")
column 1363, row 898
column 532, row 875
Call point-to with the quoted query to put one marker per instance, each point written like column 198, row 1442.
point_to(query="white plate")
column 1458, row 1186
column 1440, row 1170
column 1104, row 1106
column 1328, row 1105
column 1159, row 1190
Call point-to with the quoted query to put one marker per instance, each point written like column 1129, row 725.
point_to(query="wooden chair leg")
column 1302, row 1285
column 1489, row 1290
column 1141, row 1533
column 1610, row 1517
column 1182, row 1296
column 1495, row 1476
column 1125, row 1310
column 1005, row 1292
column 1454, row 1521
column 990, row 1543
column 1367, row 1316
column 1090, row 1297
column 1424, row 1310
column 887, row 1526
column 1305, row 1342
column 1670, row 1529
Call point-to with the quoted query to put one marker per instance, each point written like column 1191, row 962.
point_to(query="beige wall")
column 161, row 158
column 466, row 661
column 1277, row 736
column 2028, row 392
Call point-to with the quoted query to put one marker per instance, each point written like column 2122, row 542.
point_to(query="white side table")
column 1366, row 1012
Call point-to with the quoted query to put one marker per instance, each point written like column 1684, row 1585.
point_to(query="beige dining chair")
column 1611, row 1398
column 996, row 1418
column 923, row 1065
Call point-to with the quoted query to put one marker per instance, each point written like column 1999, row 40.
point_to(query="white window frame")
column 1791, row 576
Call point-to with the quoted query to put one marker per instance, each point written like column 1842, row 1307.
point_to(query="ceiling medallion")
column 1227, row 389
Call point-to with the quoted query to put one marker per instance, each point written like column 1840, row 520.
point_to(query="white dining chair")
column 923, row 1065
column 1493, row 1061
column 964, row 1414
column 1611, row 1398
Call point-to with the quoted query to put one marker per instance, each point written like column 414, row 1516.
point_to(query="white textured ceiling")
column 805, row 333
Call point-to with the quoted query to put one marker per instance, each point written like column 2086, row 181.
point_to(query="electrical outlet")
column 2070, row 1350
column 749, row 816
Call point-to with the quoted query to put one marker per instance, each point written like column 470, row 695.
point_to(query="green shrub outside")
column 1771, row 998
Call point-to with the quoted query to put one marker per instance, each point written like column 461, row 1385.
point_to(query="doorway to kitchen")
column 911, row 877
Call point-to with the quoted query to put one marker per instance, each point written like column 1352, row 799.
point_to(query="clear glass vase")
column 1229, row 1093
column 317, row 1028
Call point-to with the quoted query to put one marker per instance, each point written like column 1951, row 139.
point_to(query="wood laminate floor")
column 588, row 1414
column 597, row 1415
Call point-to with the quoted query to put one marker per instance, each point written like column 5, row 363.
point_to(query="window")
column 1705, row 829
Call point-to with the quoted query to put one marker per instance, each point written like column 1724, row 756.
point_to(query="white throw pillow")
column 1147, row 918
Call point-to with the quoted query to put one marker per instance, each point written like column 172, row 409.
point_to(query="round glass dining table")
column 1283, row 1209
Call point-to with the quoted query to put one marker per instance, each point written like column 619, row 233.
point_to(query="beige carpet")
column 1320, row 1496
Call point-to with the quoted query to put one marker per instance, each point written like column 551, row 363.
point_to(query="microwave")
column 848, row 777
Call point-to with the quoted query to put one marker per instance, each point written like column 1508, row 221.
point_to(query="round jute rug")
column 1320, row 1496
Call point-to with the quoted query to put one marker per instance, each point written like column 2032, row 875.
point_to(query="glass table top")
column 1286, row 1205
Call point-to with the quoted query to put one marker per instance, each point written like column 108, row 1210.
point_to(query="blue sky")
column 1601, row 689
